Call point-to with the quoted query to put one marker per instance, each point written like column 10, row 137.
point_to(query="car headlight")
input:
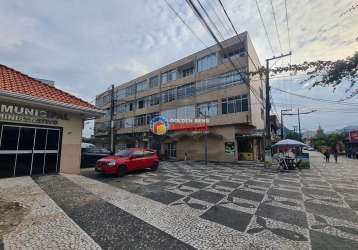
column 111, row 163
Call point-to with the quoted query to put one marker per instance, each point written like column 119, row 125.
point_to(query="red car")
column 128, row 160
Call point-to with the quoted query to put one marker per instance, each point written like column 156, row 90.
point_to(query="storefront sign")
column 160, row 125
column 16, row 113
column 230, row 148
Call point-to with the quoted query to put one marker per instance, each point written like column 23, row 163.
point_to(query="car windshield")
column 123, row 153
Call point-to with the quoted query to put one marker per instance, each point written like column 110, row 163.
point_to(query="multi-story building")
column 204, row 84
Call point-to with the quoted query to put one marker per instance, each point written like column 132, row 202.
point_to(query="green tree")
column 293, row 136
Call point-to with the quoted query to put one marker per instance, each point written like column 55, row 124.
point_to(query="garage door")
column 29, row 150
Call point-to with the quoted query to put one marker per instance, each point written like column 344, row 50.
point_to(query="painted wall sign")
column 17, row 113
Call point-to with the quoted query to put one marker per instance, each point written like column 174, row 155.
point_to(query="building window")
column 207, row 62
column 186, row 90
column 261, row 94
column 221, row 81
column 101, row 127
column 235, row 104
column 120, row 94
column 169, row 95
column 186, row 112
column 153, row 82
column 237, row 50
column 188, row 72
column 130, row 106
column 142, row 103
column 142, row 86
column 168, row 76
column 169, row 114
column 208, row 109
column 154, row 99
column 120, row 108
column 140, row 120
column 103, row 99
column 128, row 122
column 131, row 90
column 119, row 123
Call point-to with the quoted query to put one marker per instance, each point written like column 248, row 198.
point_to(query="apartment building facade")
column 202, row 85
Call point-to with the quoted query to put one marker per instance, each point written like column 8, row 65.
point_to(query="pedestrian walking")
column 327, row 154
column 335, row 154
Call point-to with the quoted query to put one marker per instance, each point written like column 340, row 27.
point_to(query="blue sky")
column 87, row 45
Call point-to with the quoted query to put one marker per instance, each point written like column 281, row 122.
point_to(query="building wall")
column 71, row 140
column 224, row 124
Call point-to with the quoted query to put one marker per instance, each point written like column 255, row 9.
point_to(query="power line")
column 183, row 21
column 222, row 21
column 203, row 21
column 263, row 24
column 317, row 99
column 237, row 34
column 211, row 20
column 274, row 18
column 288, row 28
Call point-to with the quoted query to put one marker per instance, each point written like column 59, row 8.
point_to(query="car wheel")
column 155, row 166
column 122, row 170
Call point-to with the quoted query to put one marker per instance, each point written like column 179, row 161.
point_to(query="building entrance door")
column 171, row 151
column 29, row 150
column 245, row 149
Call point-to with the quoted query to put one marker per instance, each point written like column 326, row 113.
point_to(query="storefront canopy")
column 289, row 143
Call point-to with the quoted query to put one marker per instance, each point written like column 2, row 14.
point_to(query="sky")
column 85, row 46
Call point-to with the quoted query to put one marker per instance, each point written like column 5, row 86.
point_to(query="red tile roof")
column 17, row 82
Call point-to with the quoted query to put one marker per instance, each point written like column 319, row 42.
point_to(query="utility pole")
column 112, row 120
column 299, row 124
column 267, row 138
column 282, row 127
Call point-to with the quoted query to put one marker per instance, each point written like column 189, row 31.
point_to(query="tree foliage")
column 323, row 73
column 293, row 136
column 328, row 140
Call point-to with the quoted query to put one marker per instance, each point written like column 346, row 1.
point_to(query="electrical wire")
column 187, row 25
column 222, row 21
column 263, row 24
column 205, row 24
column 237, row 34
column 288, row 28
column 316, row 99
column 275, row 21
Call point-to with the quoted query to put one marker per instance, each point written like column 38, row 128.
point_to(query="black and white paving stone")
column 186, row 205
column 108, row 225
column 258, row 202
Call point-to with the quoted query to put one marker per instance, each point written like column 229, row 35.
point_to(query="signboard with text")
column 18, row 113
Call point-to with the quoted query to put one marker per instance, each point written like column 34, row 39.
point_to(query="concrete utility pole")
column 282, row 130
column 268, row 103
column 112, row 120
column 299, row 123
